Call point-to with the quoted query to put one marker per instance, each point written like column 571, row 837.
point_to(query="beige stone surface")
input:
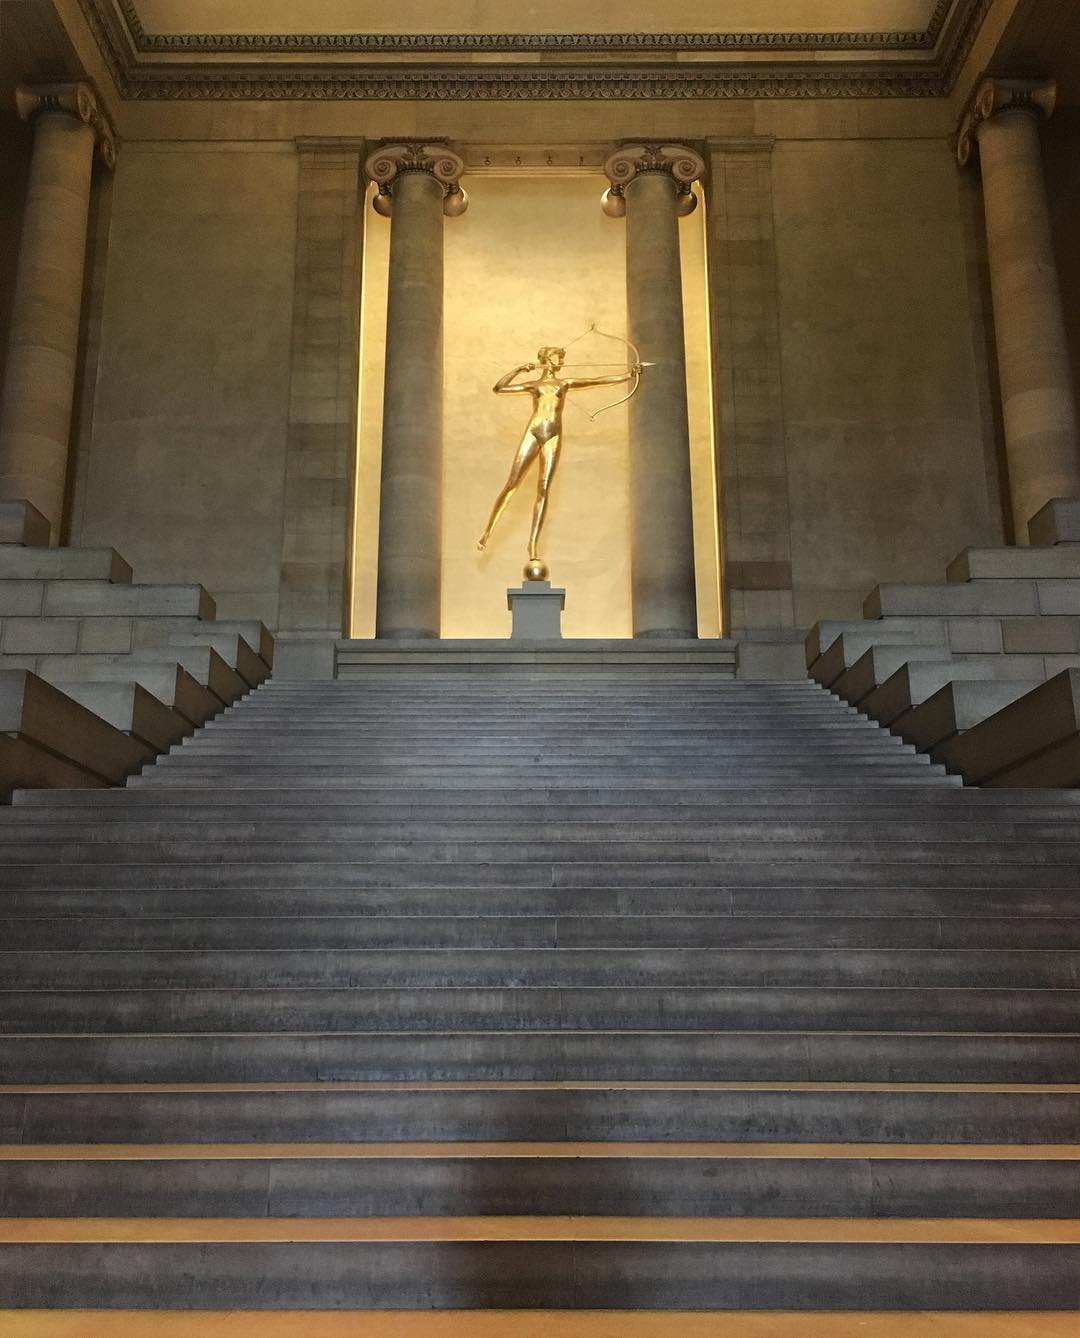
column 186, row 461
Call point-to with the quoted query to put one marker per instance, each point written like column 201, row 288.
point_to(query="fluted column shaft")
column 652, row 196
column 39, row 382
column 417, row 187
column 1040, row 418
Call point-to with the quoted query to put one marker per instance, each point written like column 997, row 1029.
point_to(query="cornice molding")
column 428, row 43
column 145, row 65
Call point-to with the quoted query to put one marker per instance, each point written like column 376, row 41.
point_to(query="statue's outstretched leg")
column 526, row 453
column 549, row 458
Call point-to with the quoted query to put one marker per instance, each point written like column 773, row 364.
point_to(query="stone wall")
column 881, row 407
column 184, row 468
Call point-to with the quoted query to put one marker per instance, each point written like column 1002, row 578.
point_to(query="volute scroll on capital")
column 75, row 99
column 385, row 164
column 682, row 163
column 992, row 97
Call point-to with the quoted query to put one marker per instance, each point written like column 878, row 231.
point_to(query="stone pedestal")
column 39, row 385
column 1041, row 437
column 651, row 186
column 537, row 611
column 417, row 186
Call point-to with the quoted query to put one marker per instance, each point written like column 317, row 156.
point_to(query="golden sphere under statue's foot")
column 535, row 570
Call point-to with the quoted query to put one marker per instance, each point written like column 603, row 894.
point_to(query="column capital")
column 75, row 99
column 682, row 163
column 389, row 161
column 992, row 97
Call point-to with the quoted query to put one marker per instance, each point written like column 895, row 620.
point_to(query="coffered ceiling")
column 560, row 48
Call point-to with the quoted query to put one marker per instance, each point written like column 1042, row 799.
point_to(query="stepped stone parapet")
column 932, row 662
column 148, row 662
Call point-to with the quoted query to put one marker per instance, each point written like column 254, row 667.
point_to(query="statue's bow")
column 635, row 367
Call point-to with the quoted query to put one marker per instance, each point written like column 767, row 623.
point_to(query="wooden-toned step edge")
column 684, row 1230
column 532, row 1324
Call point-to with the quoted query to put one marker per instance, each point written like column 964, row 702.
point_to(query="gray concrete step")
column 63, row 564
column 506, row 1054
column 185, row 932
column 139, row 894
column 330, row 1113
column 366, row 1272
column 705, row 1184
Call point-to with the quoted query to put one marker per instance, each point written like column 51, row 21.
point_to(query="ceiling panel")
column 324, row 17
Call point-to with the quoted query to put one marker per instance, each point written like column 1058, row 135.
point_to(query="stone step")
column 747, row 799
column 880, row 663
column 63, row 564
column 627, row 970
column 202, row 664
column 467, row 825
column 47, row 738
column 560, row 1264
column 131, row 897
column 954, row 708
column 1057, row 523
column 131, row 709
column 560, row 1179
column 913, row 683
column 1025, row 564
column 204, row 1018
column 983, row 598
column 171, row 632
column 102, row 598
column 567, row 854
column 134, row 897
column 502, row 1055
column 340, row 1113
column 471, row 929
column 856, row 870
column 914, row 776
column 1032, row 742
column 21, row 523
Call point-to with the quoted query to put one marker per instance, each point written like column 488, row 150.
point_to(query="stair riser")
column 522, row 1186
column 902, row 903
column 1047, row 855
column 507, row 1011
column 131, row 933
column 523, row 1057
column 541, row 1115
column 867, row 875
column 624, row 1275
column 556, row 968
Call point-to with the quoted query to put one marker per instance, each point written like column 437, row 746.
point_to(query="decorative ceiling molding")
column 524, row 43
column 146, row 66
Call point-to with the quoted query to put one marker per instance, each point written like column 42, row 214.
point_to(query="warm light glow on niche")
column 533, row 262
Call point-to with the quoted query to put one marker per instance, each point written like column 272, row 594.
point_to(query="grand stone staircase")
column 633, row 989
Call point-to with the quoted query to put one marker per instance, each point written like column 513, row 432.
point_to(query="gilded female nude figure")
column 543, row 436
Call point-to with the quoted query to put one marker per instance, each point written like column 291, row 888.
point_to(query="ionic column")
column 418, row 184
column 650, row 185
column 39, row 383
column 1041, row 441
